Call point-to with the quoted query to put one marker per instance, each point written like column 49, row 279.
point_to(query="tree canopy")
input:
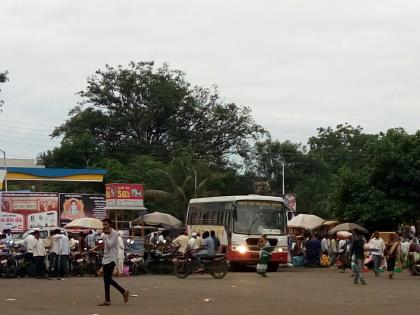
column 141, row 109
column 149, row 125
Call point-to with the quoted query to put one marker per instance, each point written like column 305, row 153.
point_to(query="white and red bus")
column 239, row 221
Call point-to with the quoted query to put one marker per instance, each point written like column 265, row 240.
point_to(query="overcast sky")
column 298, row 64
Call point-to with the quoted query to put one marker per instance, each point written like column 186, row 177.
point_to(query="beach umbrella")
column 85, row 223
column 305, row 221
column 347, row 227
column 157, row 218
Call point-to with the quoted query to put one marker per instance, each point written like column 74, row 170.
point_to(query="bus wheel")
column 219, row 269
column 272, row 267
column 237, row 267
column 181, row 269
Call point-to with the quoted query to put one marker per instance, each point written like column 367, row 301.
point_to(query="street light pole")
column 5, row 169
column 282, row 166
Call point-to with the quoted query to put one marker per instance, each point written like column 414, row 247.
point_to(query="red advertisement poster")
column 22, row 211
column 124, row 195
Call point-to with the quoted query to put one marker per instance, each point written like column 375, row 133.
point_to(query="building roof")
column 237, row 198
column 55, row 174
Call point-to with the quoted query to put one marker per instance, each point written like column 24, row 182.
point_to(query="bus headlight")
column 242, row 249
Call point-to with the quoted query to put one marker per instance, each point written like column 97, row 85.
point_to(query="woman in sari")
column 265, row 255
column 392, row 252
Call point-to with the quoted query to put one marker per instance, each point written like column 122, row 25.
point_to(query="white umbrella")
column 85, row 223
column 305, row 221
column 158, row 218
column 347, row 227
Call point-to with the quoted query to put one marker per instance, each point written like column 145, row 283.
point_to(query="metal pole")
column 282, row 164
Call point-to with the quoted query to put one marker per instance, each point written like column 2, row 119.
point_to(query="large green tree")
column 385, row 191
column 141, row 109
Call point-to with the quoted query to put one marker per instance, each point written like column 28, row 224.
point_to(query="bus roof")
column 237, row 198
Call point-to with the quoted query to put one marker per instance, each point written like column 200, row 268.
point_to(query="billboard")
column 75, row 206
column 22, row 211
column 124, row 196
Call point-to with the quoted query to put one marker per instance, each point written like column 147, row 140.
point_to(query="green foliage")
column 386, row 190
column 143, row 110
column 148, row 125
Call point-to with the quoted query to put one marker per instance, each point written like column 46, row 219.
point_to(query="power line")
column 24, row 127
column 27, row 123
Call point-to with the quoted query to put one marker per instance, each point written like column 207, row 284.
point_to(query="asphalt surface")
column 288, row 291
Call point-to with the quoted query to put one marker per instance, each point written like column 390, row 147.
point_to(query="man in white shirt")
column 181, row 242
column 90, row 240
column 55, row 254
column 39, row 256
column 192, row 243
column 64, row 254
column 333, row 249
column 110, row 241
column 325, row 245
column 377, row 251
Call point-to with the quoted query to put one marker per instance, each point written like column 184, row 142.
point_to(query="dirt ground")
column 288, row 291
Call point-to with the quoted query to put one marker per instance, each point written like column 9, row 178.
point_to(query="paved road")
column 289, row 291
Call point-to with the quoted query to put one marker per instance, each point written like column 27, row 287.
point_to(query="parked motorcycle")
column 161, row 262
column 7, row 264
column 92, row 261
column 77, row 263
column 135, row 263
column 216, row 265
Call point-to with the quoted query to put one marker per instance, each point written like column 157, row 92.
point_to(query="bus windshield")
column 260, row 217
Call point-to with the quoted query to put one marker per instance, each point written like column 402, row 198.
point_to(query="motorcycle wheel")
column 219, row 269
column 415, row 269
column 272, row 267
column 153, row 268
column 136, row 269
column 11, row 270
column 181, row 269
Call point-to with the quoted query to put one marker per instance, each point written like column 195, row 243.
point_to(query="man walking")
column 378, row 247
column 110, row 241
column 357, row 249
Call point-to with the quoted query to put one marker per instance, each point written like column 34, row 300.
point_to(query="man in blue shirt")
column 207, row 249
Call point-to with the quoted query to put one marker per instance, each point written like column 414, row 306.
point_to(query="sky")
column 298, row 65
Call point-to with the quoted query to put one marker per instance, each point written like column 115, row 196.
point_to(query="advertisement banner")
column 122, row 196
column 22, row 211
column 75, row 206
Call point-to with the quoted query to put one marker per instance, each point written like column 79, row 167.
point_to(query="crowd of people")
column 58, row 254
column 352, row 251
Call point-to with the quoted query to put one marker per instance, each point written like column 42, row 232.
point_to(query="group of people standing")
column 58, row 255
column 354, row 252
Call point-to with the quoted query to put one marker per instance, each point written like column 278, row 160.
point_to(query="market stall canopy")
column 347, row 227
column 305, row 221
column 158, row 218
column 85, row 223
